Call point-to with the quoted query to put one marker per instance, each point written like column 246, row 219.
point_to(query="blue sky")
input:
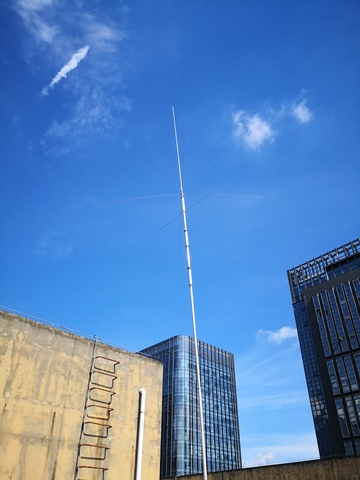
column 267, row 104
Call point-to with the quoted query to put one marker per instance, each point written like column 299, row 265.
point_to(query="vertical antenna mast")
column 187, row 247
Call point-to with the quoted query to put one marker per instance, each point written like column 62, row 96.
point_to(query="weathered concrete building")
column 73, row 408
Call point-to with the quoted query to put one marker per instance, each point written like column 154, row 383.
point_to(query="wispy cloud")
column 273, row 401
column 55, row 246
column 252, row 131
column 279, row 336
column 96, row 101
column 266, row 379
column 71, row 65
column 102, row 37
column 95, row 113
column 301, row 112
column 31, row 11
column 34, row 5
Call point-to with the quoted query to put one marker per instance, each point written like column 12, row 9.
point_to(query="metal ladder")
column 94, row 436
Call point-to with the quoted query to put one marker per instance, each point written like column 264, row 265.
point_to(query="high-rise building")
column 326, row 299
column 181, row 452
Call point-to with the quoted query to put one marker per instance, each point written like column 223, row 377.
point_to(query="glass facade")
column 326, row 299
column 180, row 438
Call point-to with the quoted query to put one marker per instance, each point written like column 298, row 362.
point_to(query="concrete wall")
column 347, row 468
column 44, row 379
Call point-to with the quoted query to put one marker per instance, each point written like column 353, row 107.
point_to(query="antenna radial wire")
column 187, row 247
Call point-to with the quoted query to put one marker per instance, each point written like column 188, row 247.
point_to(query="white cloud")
column 280, row 335
column 273, row 448
column 102, row 37
column 71, row 65
column 252, row 131
column 34, row 5
column 265, row 459
column 32, row 13
column 96, row 101
column 301, row 112
column 94, row 113
column 40, row 29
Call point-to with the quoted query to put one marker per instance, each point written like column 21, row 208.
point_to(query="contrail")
column 74, row 62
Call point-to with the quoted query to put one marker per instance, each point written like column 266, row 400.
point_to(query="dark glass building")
column 326, row 299
column 180, row 438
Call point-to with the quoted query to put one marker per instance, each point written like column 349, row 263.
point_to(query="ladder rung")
column 97, row 435
column 89, row 466
column 101, row 372
column 103, row 470
column 114, row 362
column 111, row 393
column 99, row 417
column 90, row 456
column 106, row 382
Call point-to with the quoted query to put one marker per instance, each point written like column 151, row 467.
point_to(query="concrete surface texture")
column 50, row 402
column 346, row 468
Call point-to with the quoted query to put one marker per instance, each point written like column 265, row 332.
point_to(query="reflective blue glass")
column 326, row 300
column 181, row 440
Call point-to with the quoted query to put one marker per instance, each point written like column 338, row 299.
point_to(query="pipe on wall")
column 140, row 439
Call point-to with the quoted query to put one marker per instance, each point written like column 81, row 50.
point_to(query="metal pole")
column 187, row 247
column 140, row 441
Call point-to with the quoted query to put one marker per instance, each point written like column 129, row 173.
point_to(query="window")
column 348, row 448
column 333, row 378
column 342, row 419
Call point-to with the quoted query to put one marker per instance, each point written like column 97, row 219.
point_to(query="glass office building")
column 180, row 438
column 326, row 299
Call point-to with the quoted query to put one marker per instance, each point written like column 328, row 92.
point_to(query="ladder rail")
column 99, row 397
